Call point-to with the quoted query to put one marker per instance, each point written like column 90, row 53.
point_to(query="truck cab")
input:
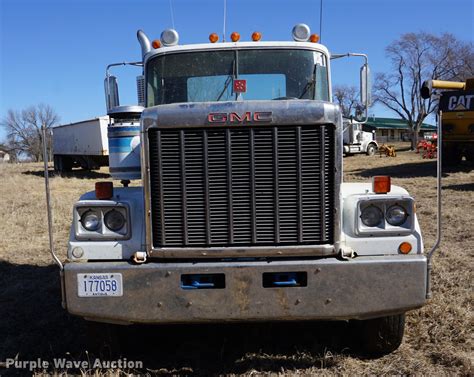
column 241, row 213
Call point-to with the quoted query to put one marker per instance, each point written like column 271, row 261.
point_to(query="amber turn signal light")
column 405, row 247
column 381, row 184
column 213, row 38
column 235, row 36
column 104, row 190
column 156, row 43
column 256, row 36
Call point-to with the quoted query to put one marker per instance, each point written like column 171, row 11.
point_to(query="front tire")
column 381, row 336
column 371, row 149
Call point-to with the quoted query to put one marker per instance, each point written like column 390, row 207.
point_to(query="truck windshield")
column 211, row 76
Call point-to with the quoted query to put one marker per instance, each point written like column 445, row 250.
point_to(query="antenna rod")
column 225, row 17
column 172, row 15
column 320, row 20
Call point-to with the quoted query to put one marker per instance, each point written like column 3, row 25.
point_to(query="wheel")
column 371, row 149
column 451, row 156
column 62, row 164
column 380, row 336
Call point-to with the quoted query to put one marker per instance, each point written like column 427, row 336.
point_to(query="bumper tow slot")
column 284, row 279
column 203, row 281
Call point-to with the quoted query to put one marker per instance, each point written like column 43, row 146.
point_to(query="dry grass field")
column 438, row 337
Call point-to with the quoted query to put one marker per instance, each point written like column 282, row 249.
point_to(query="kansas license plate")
column 99, row 285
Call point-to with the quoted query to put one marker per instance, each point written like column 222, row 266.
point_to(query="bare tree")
column 347, row 97
column 23, row 129
column 414, row 59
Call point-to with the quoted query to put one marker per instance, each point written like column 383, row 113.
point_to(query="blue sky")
column 55, row 52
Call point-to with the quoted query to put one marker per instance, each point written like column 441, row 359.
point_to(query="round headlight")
column 90, row 220
column 396, row 215
column 371, row 216
column 114, row 220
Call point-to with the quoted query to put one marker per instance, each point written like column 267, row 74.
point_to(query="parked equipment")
column 82, row 144
column 458, row 118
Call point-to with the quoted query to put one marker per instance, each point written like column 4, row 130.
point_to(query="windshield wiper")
column 229, row 79
column 226, row 85
column 310, row 84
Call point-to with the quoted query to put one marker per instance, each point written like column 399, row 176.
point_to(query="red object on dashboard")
column 240, row 86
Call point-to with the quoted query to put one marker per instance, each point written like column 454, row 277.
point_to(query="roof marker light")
column 235, row 36
column 213, row 38
column 301, row 32
column 169, row 37
column 256, row 36
column 156, row 44
column 314, row 38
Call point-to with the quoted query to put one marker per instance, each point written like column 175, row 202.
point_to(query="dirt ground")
column 438, row 337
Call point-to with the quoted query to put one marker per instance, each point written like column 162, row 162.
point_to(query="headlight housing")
column 102, row 220
column 90, row 220
column 385, row 216
column 371, row 216
column 114, row 220
column 396, row 215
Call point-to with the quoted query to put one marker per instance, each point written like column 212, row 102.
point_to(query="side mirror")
column 365, row 86
column 111, row 92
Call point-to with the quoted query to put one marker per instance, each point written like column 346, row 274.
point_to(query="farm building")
column 392, row 129
column 4, row 156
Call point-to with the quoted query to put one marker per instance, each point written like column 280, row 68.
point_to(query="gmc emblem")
column 257, row 116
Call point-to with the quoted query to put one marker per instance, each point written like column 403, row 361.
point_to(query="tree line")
column 414, row 58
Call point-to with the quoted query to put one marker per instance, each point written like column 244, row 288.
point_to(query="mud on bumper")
column 333, row 289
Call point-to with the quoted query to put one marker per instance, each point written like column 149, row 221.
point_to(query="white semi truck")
column 81, row 144
column 242, row 213
column 356, row 140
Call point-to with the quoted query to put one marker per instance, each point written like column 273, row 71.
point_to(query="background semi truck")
column 81, row 144
column 356, row 140
column 242, row 214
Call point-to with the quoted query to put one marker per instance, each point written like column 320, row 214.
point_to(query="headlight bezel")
column 103, row 232
column 384, row 228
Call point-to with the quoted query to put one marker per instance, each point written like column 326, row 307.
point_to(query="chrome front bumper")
column 360, row 288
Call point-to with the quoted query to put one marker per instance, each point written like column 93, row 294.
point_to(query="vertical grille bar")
column 184, row 203
column 205, row 156
column 275, row 176
column 160, row 190
column 299, row 183
column 322, row 183
column 228, row 144
column 253, row 218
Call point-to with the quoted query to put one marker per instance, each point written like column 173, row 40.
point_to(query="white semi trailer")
column 81, row 144
column 242, row 213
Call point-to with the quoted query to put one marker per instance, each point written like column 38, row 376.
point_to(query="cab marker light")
column 256, row 36
column 156, row 44
column 235, row 36
column 314, row 38
column 213, row 37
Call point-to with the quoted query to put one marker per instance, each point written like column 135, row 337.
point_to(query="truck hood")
column 274, row 112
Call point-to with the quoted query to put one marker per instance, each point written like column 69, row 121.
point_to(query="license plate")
column 99, row 285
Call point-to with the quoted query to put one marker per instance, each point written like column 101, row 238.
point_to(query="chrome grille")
column 262, row 185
